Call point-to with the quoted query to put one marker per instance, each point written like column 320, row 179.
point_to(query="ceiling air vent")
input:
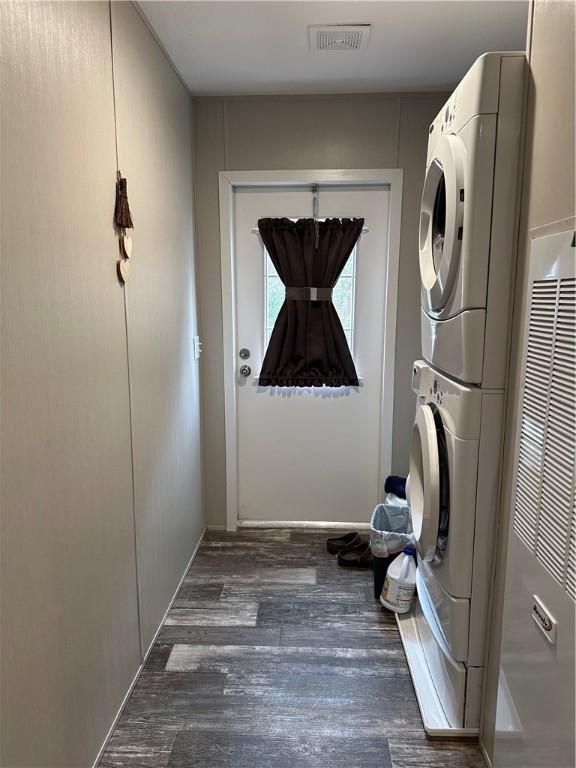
column 339, row 37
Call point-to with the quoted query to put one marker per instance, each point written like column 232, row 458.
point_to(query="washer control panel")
column 460, row 406
column 436, row 393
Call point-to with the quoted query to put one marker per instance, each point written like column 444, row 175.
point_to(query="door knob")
column 245, row 371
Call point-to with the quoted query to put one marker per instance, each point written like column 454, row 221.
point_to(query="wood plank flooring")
column 274, row 657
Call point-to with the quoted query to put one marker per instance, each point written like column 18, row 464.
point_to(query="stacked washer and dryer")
column 468, row 228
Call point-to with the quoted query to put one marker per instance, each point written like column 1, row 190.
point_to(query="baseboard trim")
column 485, row 754
column 300, row 524
column 141, row 667
column 434, row 719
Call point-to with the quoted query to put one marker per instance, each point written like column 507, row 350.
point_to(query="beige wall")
column 161, row 304
column 287, row 133
column 548, row 204
column 69, row 593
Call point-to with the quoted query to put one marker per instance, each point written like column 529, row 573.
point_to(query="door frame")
column 228, row 181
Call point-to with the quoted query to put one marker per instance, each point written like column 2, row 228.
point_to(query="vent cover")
column 544, row 506
column 338, row 37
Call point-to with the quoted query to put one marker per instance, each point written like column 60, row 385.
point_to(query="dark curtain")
column 308, row 347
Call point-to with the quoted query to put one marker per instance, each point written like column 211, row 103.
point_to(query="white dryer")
column 453, row 495
column 468, row 222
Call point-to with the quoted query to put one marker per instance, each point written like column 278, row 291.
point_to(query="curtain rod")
column 255, row 230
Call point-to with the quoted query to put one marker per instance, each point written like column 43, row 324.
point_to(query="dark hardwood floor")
column 274, row 657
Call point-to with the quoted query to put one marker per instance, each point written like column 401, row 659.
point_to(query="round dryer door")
column 425, row 482
column 441, row 222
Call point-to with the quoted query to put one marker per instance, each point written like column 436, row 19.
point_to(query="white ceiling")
column 261, row 47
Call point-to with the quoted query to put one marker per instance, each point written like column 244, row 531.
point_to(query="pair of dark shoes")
column 353, row 551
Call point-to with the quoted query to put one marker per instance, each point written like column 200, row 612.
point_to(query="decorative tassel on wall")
column 122, row 216
column 122, row 222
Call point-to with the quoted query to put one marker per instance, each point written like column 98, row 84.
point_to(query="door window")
column 439, row 222
column 343, row 297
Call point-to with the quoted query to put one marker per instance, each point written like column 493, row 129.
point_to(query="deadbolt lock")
column 245, row 371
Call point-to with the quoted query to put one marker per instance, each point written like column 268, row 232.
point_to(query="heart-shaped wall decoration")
column 126, row 246
column 123, row 268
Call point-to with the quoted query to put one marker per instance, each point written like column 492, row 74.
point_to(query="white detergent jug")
column 400, row 582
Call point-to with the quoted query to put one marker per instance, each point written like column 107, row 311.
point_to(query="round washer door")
column 425, row 482
column 441, row 222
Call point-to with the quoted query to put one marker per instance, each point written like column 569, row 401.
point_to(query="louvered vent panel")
column 571, row 570
column 557, row 504
column 533, row 418
column 338, row 37
column 545, row 507
column 339, row 41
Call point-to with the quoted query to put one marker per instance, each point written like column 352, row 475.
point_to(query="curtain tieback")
column 308, row 294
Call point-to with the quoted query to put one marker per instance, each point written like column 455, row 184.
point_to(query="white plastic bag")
column 391, row 527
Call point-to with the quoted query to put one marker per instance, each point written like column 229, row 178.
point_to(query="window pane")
column 342, row 300
column 349, row 266
column 274, row 299
column 342, row 297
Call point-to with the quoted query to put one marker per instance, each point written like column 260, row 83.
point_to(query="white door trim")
column 228, row 181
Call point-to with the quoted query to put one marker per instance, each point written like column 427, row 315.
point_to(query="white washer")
column 468, row 222
column 443, row 476
column 454, row 483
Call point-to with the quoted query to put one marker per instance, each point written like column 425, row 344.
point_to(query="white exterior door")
column 310, row 454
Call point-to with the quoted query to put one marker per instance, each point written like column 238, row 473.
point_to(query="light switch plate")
column 197, row 347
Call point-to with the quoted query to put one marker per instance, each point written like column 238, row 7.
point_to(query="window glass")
column 439, row 222
column 342, row 297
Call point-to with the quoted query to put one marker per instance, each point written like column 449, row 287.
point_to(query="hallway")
column 273, row 656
